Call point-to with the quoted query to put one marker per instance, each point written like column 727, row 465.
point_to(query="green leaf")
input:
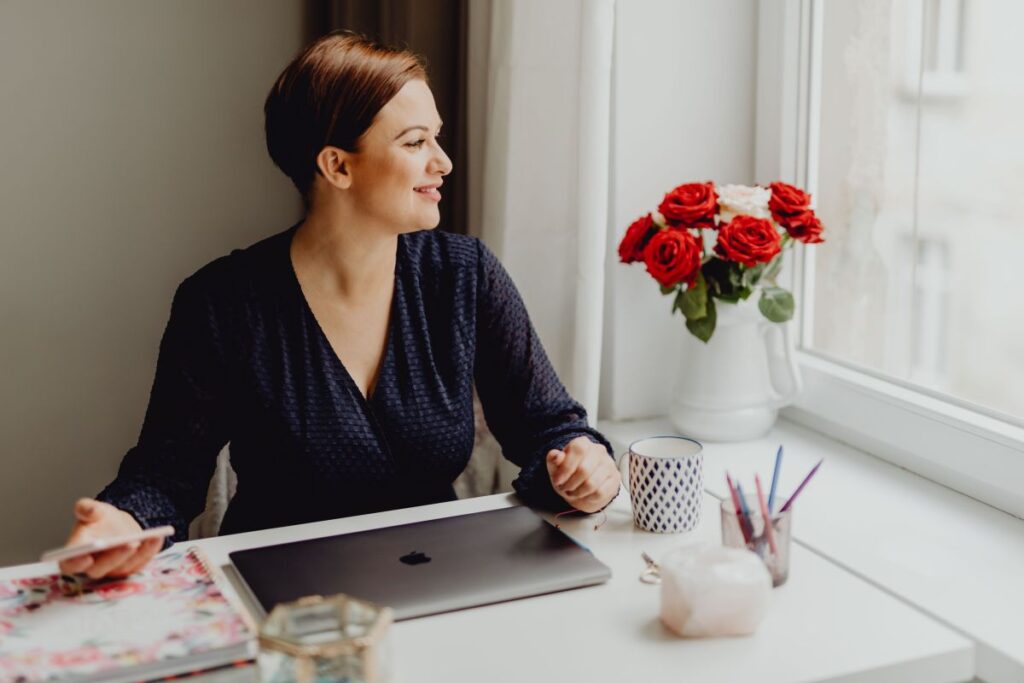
column 703, row 328
column 751, row 276
column 776, row 304
column 694, row 301
column 716, row 273
column 735, row 276
column 773, row 268
column 667, row 290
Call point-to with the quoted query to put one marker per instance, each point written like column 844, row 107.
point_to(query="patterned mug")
column 665, row 483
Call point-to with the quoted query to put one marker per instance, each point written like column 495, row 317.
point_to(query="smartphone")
column 57, row 554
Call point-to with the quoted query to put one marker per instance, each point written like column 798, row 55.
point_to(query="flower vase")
column 726, row 389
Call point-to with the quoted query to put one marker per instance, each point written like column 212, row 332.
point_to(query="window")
column 919, row 191
column 902, row 119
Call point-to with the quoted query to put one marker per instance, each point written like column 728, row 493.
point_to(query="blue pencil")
column 775, row 480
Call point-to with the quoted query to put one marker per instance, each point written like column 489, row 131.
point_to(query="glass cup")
column 753, row 537
column 320, row 640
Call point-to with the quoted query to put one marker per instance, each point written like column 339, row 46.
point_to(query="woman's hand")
column 95, row 520
column 584, row 474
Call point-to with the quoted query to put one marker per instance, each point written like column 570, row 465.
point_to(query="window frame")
column 967, row 448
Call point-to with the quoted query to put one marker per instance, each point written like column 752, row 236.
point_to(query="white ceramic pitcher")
column 726, row 389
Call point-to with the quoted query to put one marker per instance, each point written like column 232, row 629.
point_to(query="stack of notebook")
column 169, row 619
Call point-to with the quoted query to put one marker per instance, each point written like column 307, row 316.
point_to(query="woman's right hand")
column 95, row 520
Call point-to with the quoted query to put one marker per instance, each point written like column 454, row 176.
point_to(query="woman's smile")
column 431, row 192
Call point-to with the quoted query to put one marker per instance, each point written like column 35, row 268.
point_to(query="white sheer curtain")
column 542, row 168
column 539, row 143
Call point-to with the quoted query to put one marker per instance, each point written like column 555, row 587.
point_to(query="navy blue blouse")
column 243, row 360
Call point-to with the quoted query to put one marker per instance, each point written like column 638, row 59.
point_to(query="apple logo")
column 413, row 558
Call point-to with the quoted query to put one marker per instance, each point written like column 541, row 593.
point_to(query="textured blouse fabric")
column 243, row 360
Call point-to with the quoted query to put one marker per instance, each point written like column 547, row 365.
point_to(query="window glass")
column 920, row 184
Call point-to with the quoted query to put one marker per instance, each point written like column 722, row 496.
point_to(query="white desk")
column 824, row 624
column 954, row 558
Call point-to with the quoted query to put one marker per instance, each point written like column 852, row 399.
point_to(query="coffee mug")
column 665, row 481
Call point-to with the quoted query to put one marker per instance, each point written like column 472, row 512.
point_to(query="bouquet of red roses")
column 706, row 242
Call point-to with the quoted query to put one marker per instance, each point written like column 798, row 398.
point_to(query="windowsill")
column 954, row 558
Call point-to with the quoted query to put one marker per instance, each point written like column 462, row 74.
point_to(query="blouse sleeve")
column 526, row 407
column 164, row 478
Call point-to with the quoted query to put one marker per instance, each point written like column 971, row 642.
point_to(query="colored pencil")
column 768, row 530
column 775, row 479
column 746, row 510
column 738, row 508
column 801, row 486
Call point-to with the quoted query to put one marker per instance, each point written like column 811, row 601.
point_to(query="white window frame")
column 976, row 452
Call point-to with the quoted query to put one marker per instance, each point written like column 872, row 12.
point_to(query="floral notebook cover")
column 168, row 618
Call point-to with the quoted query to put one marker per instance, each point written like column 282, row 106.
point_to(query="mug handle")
column 624, row 474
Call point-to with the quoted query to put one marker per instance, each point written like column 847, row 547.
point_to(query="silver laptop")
column 426, row 567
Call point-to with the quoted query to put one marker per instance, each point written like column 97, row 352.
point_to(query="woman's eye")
column 417, row 143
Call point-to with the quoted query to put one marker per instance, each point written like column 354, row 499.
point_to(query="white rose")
column 743, row 199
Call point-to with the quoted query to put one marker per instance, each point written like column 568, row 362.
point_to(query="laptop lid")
column 426, row 567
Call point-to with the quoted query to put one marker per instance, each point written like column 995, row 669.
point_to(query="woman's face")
column 396, row 174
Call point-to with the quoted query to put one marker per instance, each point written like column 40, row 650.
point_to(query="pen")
column 775, row 479
column 801, row 486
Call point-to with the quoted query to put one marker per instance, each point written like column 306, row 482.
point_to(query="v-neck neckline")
column 307, row 310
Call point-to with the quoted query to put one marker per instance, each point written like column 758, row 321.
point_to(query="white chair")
column 487, row 472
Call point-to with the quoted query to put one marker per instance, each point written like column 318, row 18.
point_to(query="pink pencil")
column 768, row 529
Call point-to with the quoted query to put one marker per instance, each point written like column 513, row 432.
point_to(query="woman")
column 339, row 356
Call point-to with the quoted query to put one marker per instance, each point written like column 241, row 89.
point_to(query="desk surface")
column 824, row 624
column 954, row 558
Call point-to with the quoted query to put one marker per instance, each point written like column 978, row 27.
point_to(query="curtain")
column 437, row 31
column 545, row 107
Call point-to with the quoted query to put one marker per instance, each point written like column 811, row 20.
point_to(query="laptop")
column 426, row 567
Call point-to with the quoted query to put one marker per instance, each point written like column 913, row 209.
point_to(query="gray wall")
column 131, row 153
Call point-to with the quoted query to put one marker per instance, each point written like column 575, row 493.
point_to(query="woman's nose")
column 441, row 163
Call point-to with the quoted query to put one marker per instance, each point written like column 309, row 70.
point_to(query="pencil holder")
column 748, row 530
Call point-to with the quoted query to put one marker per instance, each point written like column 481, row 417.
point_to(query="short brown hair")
column 329, row 95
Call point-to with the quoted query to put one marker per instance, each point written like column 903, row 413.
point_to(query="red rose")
column 692, row 205
column 748, row 240
column 37, row 581
column 805, row 227
column 119, row 589
column 787, row 201
column 673, row 256
column 631, row 248
column 87, row 654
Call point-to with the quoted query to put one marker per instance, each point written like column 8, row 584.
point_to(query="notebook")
column 426, row 567
column 170, row 618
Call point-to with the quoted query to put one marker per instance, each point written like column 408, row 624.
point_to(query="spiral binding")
column 221, row 581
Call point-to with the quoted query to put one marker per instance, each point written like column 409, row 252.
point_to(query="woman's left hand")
column 584, row 474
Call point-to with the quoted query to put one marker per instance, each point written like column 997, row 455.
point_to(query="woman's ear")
column 334, row 167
